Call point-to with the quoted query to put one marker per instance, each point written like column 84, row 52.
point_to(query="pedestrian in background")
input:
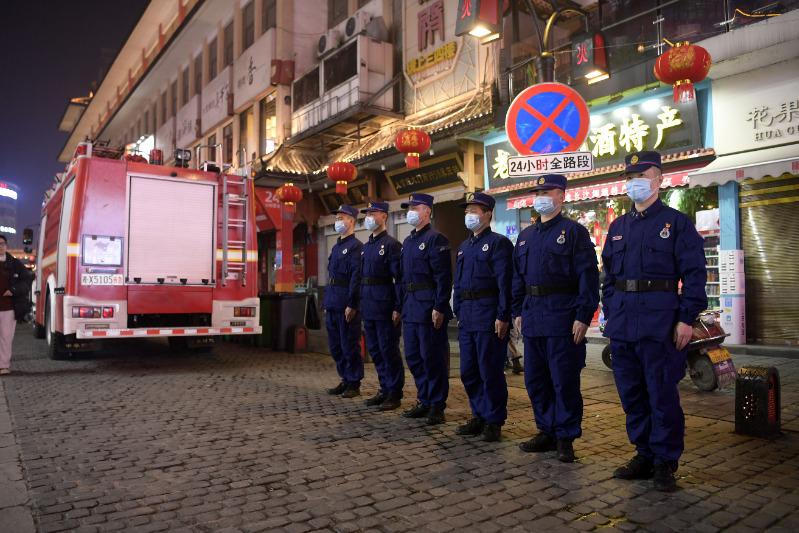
column 648, row 252
column 381, row 306
column 15, row 301
column 342, row 297
column 482, row 302
column 555, row 295
column 426, row 286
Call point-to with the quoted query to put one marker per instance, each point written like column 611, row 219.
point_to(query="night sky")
column 50, row 51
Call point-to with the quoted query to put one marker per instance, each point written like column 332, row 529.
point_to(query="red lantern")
column 342, row 173
column 611, row 215
column 289, row 195
column 597, row 233
column 412, row 142
column 681, row 67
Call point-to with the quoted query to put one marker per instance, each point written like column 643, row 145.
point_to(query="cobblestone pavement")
column 136, row 438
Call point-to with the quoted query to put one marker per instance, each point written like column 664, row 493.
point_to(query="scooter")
column 710, row 365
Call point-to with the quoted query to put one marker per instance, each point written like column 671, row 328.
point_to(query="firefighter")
column 426, row 289
column 648, row 252
column 555, row 295
column 381, row 306
column 341, row 304
column 482, row 302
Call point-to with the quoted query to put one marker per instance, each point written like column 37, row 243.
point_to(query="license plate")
column 718, row 355
column 101, row 279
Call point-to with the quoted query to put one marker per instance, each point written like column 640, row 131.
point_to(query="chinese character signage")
column 215, row 100
column 757, row 109
column 433, row 173
column 478, row 17
column 430, row 54
column 589, row 57
column 533, row 165
column 252, row 71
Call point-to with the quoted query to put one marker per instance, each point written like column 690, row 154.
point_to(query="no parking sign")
column 547, row 118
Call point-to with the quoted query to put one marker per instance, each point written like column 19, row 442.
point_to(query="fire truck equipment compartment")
column 171, row 228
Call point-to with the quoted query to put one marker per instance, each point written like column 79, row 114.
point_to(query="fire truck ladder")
column 232, row 268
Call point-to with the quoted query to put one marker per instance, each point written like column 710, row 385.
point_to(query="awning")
column 598, row 191
column 756, row 164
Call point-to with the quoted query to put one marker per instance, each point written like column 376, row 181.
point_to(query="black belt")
column 646, row 285
column 338, row 282
column 478, row 293
column 376, row 281
column 546, row 290
column 421, row 286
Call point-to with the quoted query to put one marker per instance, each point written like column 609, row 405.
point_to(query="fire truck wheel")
column 38, row 331
column 55, row 340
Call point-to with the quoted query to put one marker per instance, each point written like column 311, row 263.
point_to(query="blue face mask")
column 370, row 223
column 639, row 189
column 544, row 205
column 340, row 227
column 413, row 218
column 472, row 221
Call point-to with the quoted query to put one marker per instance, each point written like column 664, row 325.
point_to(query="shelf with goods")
column 713, row 286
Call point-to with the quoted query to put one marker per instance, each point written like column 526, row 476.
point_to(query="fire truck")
column 131, row 248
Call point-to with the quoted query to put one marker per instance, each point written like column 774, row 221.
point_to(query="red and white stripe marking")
column 165, row 332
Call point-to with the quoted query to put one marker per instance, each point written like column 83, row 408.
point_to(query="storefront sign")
column 187, row 118
column 589, row 58
column 756, row 109
column 430, row 48
column 599, row 191
column 533, row 165
column 433, row 173
column 252, row 70
column 215, row 100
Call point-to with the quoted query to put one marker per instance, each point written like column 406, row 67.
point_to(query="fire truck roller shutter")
column 171, row 231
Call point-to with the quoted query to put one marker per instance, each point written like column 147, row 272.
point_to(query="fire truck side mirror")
column 27, row 240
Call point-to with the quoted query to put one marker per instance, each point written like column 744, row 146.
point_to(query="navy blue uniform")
column 427, row 285
column 380, row 297
column 342, row 291
column 483, row 277
column 556, row 282
column 659, row 244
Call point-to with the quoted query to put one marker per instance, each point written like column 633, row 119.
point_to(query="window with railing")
column 228, row 45
column 306, row 89
column 227, row 143
column 268, row 127
column 173, row 98
column 341, row 66
column 336, row 12
column 163, row 108
column 184, row 86
column 248, row 22
column 198, row 74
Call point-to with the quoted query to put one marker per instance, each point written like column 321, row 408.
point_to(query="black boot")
column 375, row 400
column 565, row 451
column 517, row 366
column 492, row 433
column 351, row 392
column 417, row 411
column 390, row 402
column 338, row 389
column 540, row 443
column 473, row 427
column 664, row 478
column 639, row 467
column 435, row 416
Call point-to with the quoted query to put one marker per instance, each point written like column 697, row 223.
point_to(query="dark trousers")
column 647, row 373
column 552, row 367
column 483, row 374
column 382, row 340
column 343, row 339
column 427, row 355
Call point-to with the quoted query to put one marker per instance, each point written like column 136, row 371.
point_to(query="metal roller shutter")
column 770, row 230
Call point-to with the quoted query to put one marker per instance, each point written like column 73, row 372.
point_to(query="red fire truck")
column 131, row 249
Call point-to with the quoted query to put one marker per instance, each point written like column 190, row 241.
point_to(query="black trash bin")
column 286, row 311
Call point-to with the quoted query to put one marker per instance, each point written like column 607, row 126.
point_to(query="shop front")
column 756, row 134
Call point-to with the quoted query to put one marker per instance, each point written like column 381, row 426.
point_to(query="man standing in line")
column 341, row 304
column 648, row 252
column 426, row 287
column 482, row 301
column 555, row 295
column 381, row 306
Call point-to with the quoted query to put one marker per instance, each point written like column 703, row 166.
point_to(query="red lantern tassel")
column 341, row 188
column 291, row 207
column 412, row 160
column 684, row 92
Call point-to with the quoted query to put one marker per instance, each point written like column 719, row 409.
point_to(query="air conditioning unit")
column 327, row 43
column 356, row 24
